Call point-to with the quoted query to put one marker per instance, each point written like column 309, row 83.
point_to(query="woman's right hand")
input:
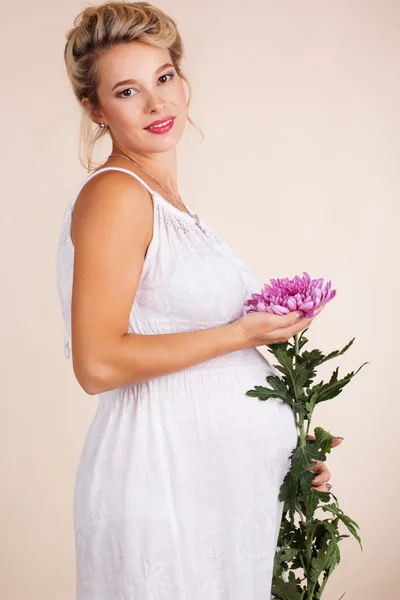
column 262, row 328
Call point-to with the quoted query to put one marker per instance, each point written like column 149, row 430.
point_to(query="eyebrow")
column 125, row 81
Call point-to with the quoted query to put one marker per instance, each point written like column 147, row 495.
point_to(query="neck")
column 162, row 166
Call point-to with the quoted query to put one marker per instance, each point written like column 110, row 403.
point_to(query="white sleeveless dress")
column 176, row 494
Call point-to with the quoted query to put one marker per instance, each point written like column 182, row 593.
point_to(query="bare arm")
column 139, row 357
column 111, row 229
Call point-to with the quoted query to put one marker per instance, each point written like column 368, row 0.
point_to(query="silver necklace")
column 193, row 215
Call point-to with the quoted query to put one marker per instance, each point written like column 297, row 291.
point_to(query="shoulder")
column 114, row 196
column 113, row 188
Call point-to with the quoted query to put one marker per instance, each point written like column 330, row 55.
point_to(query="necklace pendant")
column 197, row 220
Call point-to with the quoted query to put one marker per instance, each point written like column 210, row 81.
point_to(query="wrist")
column 237, row 336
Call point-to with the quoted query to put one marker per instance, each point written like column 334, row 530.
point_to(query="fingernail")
column 316, row 481
column 299, row 315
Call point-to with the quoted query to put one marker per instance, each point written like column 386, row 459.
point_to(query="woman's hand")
column 322, row 472
column 263, row 328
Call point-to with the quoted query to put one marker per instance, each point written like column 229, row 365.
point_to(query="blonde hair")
column 98, row 28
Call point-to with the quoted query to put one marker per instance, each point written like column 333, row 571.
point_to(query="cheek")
column 180, row 96
column 124, row 117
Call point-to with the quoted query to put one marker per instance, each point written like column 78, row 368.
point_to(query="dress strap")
column 148, row 188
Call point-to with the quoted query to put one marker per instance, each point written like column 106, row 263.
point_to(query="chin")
column 166, row 142
column 166, row 146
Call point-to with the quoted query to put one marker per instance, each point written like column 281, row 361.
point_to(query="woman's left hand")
column 322, row 472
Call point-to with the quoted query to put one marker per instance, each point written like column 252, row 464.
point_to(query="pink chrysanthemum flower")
column 286, row 295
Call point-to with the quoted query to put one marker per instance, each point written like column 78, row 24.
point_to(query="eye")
column 167, row 75
column 123, row 95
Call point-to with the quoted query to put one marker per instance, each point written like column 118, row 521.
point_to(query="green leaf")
column 282, row 559
column 316, row 357
column 323, row 496
column 302, row 378
column 285, row 590
column 290, row 535
column 281, row 369
column 302, row 341
column 336, row 353
column 302, row 456
column 305, row 487
column 323, row 528
column 327, row 557
column 288, row 493
column 323, row 439
column 317, row 567
column 285, row 359
column 311, row 503
column 287, row 528
column 280, row 349
column 327, row 391
column 313, row 358
column 277, row 384
column 350, row 524
column 295, row 377
column 288, row 554
column 264, row 393
column 311, row 405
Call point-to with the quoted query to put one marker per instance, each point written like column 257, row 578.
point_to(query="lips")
column 159, row 122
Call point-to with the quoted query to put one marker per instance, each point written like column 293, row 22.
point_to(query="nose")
column 155, row 103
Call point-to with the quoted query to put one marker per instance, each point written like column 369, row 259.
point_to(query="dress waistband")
column 237, row 359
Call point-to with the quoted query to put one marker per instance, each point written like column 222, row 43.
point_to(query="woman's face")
column 139, row 85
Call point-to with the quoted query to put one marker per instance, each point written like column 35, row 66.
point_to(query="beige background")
column 299, row 103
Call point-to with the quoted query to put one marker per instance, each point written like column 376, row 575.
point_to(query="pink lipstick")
column 161, row 126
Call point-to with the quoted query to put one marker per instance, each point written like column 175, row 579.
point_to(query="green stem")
column 303, row 441
column 311, row 593
column 302, row 517
column 296, row 345
column 302, row 433
column 302, row 564
column 300, row 421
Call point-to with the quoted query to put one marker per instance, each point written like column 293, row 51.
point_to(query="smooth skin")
column 111, row 230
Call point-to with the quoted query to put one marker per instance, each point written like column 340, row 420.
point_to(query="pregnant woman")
column 176, row 494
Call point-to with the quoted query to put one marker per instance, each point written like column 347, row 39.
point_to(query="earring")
column 101, row 124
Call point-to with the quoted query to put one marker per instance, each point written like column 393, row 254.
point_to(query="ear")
column 94, row 115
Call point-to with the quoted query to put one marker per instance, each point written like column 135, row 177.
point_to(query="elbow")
column 92, row 378
column 91, row 387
